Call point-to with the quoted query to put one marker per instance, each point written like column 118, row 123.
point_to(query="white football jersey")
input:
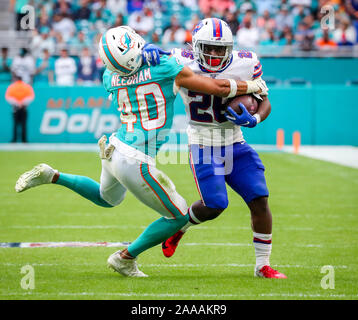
column 207, row 123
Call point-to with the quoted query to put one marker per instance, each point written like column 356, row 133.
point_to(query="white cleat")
column 126, row 267
column 41, row 174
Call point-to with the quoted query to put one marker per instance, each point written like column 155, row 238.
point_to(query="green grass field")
column 315, row 223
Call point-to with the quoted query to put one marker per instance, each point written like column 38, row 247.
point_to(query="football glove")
column 151, row 54
column 244, row 120
column 262, row 85
column 105, row 152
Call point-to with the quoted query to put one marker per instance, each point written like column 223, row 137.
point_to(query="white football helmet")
column 208, row 33
column 120, row 49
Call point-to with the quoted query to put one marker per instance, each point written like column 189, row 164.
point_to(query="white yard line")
column 82, row 244
column 143, row 227
column 343, row 155
column 192, row 295
column 183, row 265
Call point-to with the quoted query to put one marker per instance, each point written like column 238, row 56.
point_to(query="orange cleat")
column 169, row 245
column 268, row 272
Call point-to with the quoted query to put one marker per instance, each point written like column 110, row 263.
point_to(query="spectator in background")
column 266, row 21
column 174, row 33
column 117, row 7
column 101, row 16
column 80, row 41
column 231, row 19
column 248, row 35
column 41, row 41
column 87, row 68
column 325, row 42
column 83, row 12
column 270, row 5
column 284, row 18
column 246, row 5
column 220, row 6
column 286, row 37
column 305, row 37
column 119, row 21
column 142, row 21
column 63, row 7
column 268, row 37
column 64, row 25
column 23, row 66
column 65, row 69
column 345, row 34
column 5, row 73
column 134, row 5
column 352, row 8
column 44, row 68
column 19, row 95
column 43, row 21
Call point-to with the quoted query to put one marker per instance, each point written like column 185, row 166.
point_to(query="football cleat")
column 126, row 267
column 268, row 272
column 40, row 174
column 169, row 246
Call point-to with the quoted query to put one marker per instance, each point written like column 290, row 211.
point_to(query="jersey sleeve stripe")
column 256, row 75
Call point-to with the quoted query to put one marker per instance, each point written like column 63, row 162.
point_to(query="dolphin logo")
column 127, row 42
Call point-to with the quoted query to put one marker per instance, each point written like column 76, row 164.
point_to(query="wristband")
column 258, row 117
column 251, row 86
column 233, row 88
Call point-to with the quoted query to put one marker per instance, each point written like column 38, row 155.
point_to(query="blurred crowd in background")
column 63, row 47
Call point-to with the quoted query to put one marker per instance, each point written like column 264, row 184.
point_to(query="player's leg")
column 108, row 195
column 15, row 127
column 248, row 179
column 157, row 191
column 23, row 124
column 208, row 172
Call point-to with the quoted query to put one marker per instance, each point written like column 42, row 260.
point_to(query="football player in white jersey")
column 219, row 154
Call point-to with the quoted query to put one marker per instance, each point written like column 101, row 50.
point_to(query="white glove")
column 257, row 86
column 105, row 152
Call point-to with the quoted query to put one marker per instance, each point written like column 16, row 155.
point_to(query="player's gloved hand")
column 105, row 152
column 257, row 86
column 151, row 54
column 245, row 119
column 262, row 85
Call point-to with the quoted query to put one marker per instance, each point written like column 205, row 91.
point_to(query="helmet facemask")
column 212, row 55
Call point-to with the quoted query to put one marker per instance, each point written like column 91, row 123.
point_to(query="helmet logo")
column 126, row 42
column 197, row 27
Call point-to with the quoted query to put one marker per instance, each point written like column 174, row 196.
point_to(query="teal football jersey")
column 145, row 101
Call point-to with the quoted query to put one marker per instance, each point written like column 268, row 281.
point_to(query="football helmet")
column 120, row 49
column 210, row 36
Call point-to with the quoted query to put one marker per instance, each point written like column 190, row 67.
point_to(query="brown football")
column 248, row 100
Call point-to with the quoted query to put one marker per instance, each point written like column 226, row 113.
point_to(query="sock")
column 84, row 186
column 156, row 233
column 192, row 220
column 263, row 246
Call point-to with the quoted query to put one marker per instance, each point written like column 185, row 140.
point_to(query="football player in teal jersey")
column 144, row 96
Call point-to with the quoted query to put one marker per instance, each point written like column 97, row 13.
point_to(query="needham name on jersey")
column 141, row 76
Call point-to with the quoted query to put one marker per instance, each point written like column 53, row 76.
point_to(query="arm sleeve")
column 107, row 80
column 169, row 67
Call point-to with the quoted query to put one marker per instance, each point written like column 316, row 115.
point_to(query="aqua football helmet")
column 120, row 49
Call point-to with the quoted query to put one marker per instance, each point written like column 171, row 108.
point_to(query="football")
column 248, row 100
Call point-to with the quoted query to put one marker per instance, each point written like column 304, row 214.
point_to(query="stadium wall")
column 324, row 114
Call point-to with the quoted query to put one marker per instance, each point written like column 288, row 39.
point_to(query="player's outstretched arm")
column 218, row 87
